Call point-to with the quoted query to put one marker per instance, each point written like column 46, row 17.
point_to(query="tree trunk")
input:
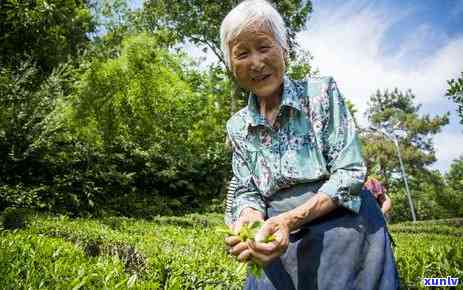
column 383, row 173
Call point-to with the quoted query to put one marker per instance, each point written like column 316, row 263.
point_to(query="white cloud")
column 347, row 42
column 449, row 149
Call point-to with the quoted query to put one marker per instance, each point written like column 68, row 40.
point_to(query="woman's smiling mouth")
column 261, row 77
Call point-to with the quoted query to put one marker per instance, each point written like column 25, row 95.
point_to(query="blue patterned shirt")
column 314, row 138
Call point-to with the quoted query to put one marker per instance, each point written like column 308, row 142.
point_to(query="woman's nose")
column 257, row 63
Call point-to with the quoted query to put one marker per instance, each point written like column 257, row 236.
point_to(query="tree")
column 430, row 197
column 46, row 32
column 199, row 21
column 455, row 92
column 38, row 38
column 454, row 179
column 40, row 42
column 141, row 134
column 396, row 107
column 26, row 100
column 353, row 111
column 389, row 108
column 300, row 66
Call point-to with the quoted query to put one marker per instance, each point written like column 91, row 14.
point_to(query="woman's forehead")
column 253, row 33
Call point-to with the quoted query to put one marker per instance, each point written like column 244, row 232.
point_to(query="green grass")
column 177, row 253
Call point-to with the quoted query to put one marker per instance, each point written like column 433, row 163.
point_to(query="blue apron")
column 341, row 250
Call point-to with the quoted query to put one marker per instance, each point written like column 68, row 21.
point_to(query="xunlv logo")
column 431, row 282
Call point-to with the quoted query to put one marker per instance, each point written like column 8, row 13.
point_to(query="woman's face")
column 257, row 62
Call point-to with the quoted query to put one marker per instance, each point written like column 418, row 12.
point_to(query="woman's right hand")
column 237, row 247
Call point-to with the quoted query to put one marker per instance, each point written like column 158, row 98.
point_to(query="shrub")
column 142, row 134
column 14, row 218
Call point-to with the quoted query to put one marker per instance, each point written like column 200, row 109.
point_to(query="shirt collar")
column 290, row 98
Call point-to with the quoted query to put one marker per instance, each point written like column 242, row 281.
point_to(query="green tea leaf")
column 248, row 232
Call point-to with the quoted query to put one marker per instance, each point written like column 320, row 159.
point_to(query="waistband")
column 290, row 198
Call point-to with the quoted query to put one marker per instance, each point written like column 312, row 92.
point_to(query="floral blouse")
column 313, row 139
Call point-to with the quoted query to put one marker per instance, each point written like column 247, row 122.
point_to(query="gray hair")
column 250, row 12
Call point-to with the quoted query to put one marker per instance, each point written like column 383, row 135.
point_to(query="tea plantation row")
column 177, row 253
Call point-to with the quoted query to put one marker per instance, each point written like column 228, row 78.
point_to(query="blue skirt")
column 341, row 250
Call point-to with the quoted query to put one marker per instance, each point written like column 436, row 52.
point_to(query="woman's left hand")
column 264, row 253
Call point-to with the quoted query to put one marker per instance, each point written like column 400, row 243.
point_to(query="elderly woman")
column 298, row 166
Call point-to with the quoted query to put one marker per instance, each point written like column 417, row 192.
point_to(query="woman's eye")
column 264, row 48
column 242, row 55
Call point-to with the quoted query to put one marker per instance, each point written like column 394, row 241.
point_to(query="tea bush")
column 427, row 255
column 176, row 252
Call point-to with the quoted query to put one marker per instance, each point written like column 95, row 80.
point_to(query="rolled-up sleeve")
column 245, row 191
column 342, row 152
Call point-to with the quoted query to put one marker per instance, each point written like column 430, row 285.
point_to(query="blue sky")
column 415, row 45
column 369, row 45
column 439, row 20
column 134, row 4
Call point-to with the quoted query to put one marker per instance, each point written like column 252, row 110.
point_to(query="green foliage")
column 427, row 255
column 46, row 263
column 199, row 21
column 455, row 92
column 26, row 101
column 175, row 257
column 433, row 199
column 431, row 196
column 20, row 195
column 454, row 178
column 14, row 218
column 300, row 65
column 138, row 134
column 428, row 188
column 141, row 134
column 47, row 32
column 248, row 232
column 179, row 253
column 416, row 147
column 450, row 227
column 40, row 44
column 353, row 110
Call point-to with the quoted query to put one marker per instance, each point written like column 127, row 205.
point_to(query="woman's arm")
column 386, row 204
column 246, row 194
column 317, row 206
column 342, row 150
column 247, row 204
column 247, row 215
column 281, row 225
